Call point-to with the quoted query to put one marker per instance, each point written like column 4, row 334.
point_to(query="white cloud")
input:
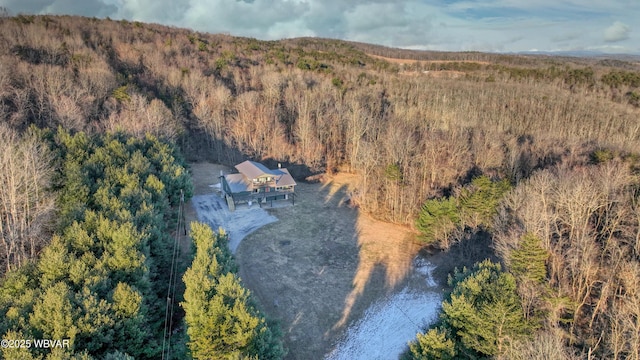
column 617, row 32
column 170, row 12
column 389, row 23
column 368, row 17
column 486, row 25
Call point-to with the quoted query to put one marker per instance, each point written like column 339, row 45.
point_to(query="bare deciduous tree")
column 25, row 203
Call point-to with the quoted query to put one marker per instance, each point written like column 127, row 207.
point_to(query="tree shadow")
column 381, row 259
column 465, row 253
column 385, row 255
column 301, row 268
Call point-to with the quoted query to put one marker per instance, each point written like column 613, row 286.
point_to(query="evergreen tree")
column 221, row 322
column 95, row 322
column 481, row 317
column 484, row 311
column 437, row 219
column 479, row 202
column 436, row 344
column 529, row 260
column 474, row 206
column 17, row 296
column 54, row 316
column 100, row 281
column 14, row 352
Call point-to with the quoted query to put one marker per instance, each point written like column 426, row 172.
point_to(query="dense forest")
column 222, row 322
column 540, row 154
column 92, row 268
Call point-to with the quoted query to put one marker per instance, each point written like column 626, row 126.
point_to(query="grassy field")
column 321, row 265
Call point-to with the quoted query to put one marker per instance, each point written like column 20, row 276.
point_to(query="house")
column 254, row 182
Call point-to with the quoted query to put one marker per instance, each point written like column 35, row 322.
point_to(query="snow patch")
column 425, row 268
column 387, row 326
column 212, row 210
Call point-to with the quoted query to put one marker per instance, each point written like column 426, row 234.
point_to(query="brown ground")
column 440, row 74
column 425, row 62
column 321, row 265
column 448, row 74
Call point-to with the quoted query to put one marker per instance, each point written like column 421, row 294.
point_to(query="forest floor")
column 329, row 274
column 425, row 62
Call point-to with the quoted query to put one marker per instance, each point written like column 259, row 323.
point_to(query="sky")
column 608, row 26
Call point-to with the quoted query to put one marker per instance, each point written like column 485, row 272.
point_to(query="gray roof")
column 250, row 170
column 283, row 178
column 253, row 170
column 238, row 183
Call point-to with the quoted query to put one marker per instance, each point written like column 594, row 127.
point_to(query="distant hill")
column 586, row 54
column 232, row 98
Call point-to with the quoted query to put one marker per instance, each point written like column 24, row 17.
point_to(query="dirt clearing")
column 426, row 62
column 320, row 267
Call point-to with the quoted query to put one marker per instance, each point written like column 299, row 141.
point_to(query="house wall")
column 285, row 188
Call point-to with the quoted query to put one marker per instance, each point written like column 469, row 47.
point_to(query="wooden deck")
column 264, row 197
column 261, row 198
